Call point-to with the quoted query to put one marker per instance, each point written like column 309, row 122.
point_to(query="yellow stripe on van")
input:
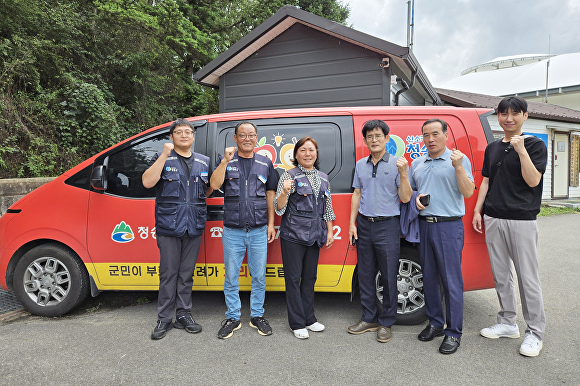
column 140, row 276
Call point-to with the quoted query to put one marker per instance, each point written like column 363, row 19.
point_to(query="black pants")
column 300, row 267
column 379, row 245
column 178, row 256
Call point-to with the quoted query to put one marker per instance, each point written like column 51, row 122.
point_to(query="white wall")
column 542, row 126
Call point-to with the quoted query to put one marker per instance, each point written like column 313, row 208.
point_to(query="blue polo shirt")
column 437, row 178
column 378, row 185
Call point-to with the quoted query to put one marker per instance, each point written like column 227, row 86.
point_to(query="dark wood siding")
column 303, row 67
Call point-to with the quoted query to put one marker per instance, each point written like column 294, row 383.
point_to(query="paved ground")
column 112, row 347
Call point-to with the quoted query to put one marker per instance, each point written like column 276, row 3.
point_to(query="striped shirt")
column 314, row 179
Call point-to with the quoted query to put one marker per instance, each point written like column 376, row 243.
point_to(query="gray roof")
column 535, row 109
column 287, row 16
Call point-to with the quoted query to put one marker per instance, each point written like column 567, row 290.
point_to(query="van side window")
column 125, row 168
column 276, row 139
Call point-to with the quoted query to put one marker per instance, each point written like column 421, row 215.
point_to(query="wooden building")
column 297, row 59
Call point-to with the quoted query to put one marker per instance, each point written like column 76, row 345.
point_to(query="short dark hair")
column 245, row 123
column 433, row 120
column 301, row 143
column 180, row 122
column 516, row 103
column 372, row 124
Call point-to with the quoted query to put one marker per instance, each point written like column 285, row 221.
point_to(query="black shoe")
column 260, row 323
column 161, row 329
column 430, row 332
column 228, row 328
column 186, row 322
column 450, row 345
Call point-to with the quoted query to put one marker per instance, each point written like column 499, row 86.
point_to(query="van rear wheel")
column 411, row 300
column 50, row 280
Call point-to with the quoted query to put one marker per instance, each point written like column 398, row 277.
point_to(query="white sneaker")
column 301, row 333
column 501, row 331
column 531, row 346
column 316, row 327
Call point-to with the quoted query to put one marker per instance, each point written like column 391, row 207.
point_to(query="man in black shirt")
column 510, row 196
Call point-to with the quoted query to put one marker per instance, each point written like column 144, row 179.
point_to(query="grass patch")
column 550, row 210
column 94, row 308
column 143, row 300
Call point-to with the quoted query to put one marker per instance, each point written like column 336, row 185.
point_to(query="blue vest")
column 302, row 221
column 180, row 202
column 245, row 200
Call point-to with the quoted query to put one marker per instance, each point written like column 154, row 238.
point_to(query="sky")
column 453, row 35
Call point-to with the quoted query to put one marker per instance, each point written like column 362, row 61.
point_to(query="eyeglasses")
column 378, row 137
column 244, row 136
column 187, row 133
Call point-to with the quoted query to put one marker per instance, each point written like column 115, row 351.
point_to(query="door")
column 276, row 139
column 560, row 162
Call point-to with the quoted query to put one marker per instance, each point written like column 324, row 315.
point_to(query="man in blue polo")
column 379, row 181
column 445, row 175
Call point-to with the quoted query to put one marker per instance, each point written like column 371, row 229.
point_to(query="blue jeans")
column 236, row 241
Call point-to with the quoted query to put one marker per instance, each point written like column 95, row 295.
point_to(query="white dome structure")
column 525, row 75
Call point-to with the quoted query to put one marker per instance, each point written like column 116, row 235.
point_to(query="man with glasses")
column 380, row 180
column 181, row 178
column 249, row 183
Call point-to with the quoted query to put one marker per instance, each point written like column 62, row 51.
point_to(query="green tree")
column 76, row 76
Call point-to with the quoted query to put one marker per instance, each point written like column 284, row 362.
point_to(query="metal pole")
column 547, row 70
column 412, row 24
column 409, row 23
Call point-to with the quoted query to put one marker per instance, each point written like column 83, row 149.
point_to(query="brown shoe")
column 362, row 327
column 384, row 334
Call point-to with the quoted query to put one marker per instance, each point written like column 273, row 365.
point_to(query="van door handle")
column 215, row 213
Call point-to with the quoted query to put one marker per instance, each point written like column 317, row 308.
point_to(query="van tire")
column 411, row 300
column 50, row 280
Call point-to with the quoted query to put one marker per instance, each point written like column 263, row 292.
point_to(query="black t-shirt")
column 246, row 164
column 508, row 195
column 186, row 163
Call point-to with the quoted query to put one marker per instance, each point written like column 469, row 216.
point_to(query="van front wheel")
column 411, row 300
column 49, row 280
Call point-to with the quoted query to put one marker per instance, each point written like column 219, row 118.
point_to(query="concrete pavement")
column 114, row 348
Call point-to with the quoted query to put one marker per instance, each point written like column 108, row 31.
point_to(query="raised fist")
column 229, row 153
column 288, row 186
column 456, row 158
column 402, row 165
column 167, row 147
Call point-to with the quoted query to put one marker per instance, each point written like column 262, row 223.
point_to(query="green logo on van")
column 122, row 233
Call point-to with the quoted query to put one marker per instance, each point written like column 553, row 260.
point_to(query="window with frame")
column 125, row 168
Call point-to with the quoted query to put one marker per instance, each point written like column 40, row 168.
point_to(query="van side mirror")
column 99, row 178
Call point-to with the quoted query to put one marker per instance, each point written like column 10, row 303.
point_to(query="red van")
column 92, row 229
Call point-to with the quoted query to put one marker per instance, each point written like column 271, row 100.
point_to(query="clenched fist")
column 167, row 147
column 229, row 153
column 402, row 165
column 287, row 186
column 456, row 158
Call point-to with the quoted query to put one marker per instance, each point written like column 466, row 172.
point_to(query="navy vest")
column 245, row 200
column 180, row 202
column 302, row 221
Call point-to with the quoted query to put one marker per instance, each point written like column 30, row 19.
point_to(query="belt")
column 439, row 218
column 376, row 219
